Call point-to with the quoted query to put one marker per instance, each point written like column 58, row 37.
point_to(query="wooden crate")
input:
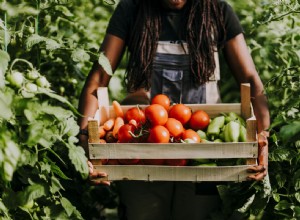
column 238, row 173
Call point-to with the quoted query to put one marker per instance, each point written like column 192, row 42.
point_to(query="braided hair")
column 204, row 33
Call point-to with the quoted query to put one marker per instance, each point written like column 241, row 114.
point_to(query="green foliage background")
column 43, row 171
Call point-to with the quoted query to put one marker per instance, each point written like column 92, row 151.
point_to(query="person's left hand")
column 260, row 171
column 96, row 176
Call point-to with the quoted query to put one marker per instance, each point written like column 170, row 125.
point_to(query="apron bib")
column 172, row 76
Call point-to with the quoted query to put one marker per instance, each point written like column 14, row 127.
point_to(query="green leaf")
column 280, row 154
column 297, row 196
column 52, row 44
column 5, row 58
column 296, row 210
column 104, row 62
column 12, row 152
column 276, row 197
column 8, row 171
column 3, row 208
column 79, row 160
column 33, row 40
column 69, row 208
column 283, row 205
column 59, row 98
column 296, row 180
column 247, row 205
column 55, row 185
column 280, row 179
column 31, row 193
column 56, row 170
column 64, row 10
column 289, row 132
column 36, row 39
column 79, row 55
column 6, row 100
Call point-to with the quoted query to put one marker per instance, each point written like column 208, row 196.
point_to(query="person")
column 173, row 48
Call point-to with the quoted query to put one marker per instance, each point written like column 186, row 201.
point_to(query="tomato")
column 199, row 120
column 137, row 114
column 104, row 161
column 31, row 87
column 156, row 114
column 159, row 134
column 33, row 74
column 175, row 162
column 42, row 82
column 174, row 127
column 153, row 161
column 180, row 112
column 161, row 99
column 124, row 133
column 16, row 78
column 190, row 134
column 113, row 162
column 128, row 161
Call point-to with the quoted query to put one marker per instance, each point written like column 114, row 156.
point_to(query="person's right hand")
column 95, row 176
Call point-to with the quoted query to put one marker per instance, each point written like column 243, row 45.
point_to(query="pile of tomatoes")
column 159, row 122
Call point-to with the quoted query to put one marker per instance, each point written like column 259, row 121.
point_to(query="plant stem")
column 21, row 60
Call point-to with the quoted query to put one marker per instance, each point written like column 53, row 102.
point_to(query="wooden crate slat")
column 175, row 151
column 169, row 173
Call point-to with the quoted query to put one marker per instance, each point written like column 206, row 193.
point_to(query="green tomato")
column 31, row 87
column 33, row 74
column 42, row 82
column 31, row 30
column 16, row 79
column 28, row 205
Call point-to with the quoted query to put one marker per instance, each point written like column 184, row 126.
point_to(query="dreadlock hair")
column 205, row 31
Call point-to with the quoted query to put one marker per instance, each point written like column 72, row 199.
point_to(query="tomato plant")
column 156, row 114
column 161, row 99
column 199, row 120
column 180, row 112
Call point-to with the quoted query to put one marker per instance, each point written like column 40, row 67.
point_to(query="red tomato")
column 159, row 134
column 156, row 114
column 128, row 161
column 137, row 114
column 174, row 127
column 113, row 162
column 153, row 161
column 190, row 134
column 199, row 120
column 180, row 112
column 124, row 135
column 175, row 162
column 104, row 161
column 161, row 99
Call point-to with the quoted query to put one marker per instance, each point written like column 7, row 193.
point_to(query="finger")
column 255, row 169
column 98, row 182
column 257, row 177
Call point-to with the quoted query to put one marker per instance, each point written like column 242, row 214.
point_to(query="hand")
column 261, row 170
column 95, row 176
